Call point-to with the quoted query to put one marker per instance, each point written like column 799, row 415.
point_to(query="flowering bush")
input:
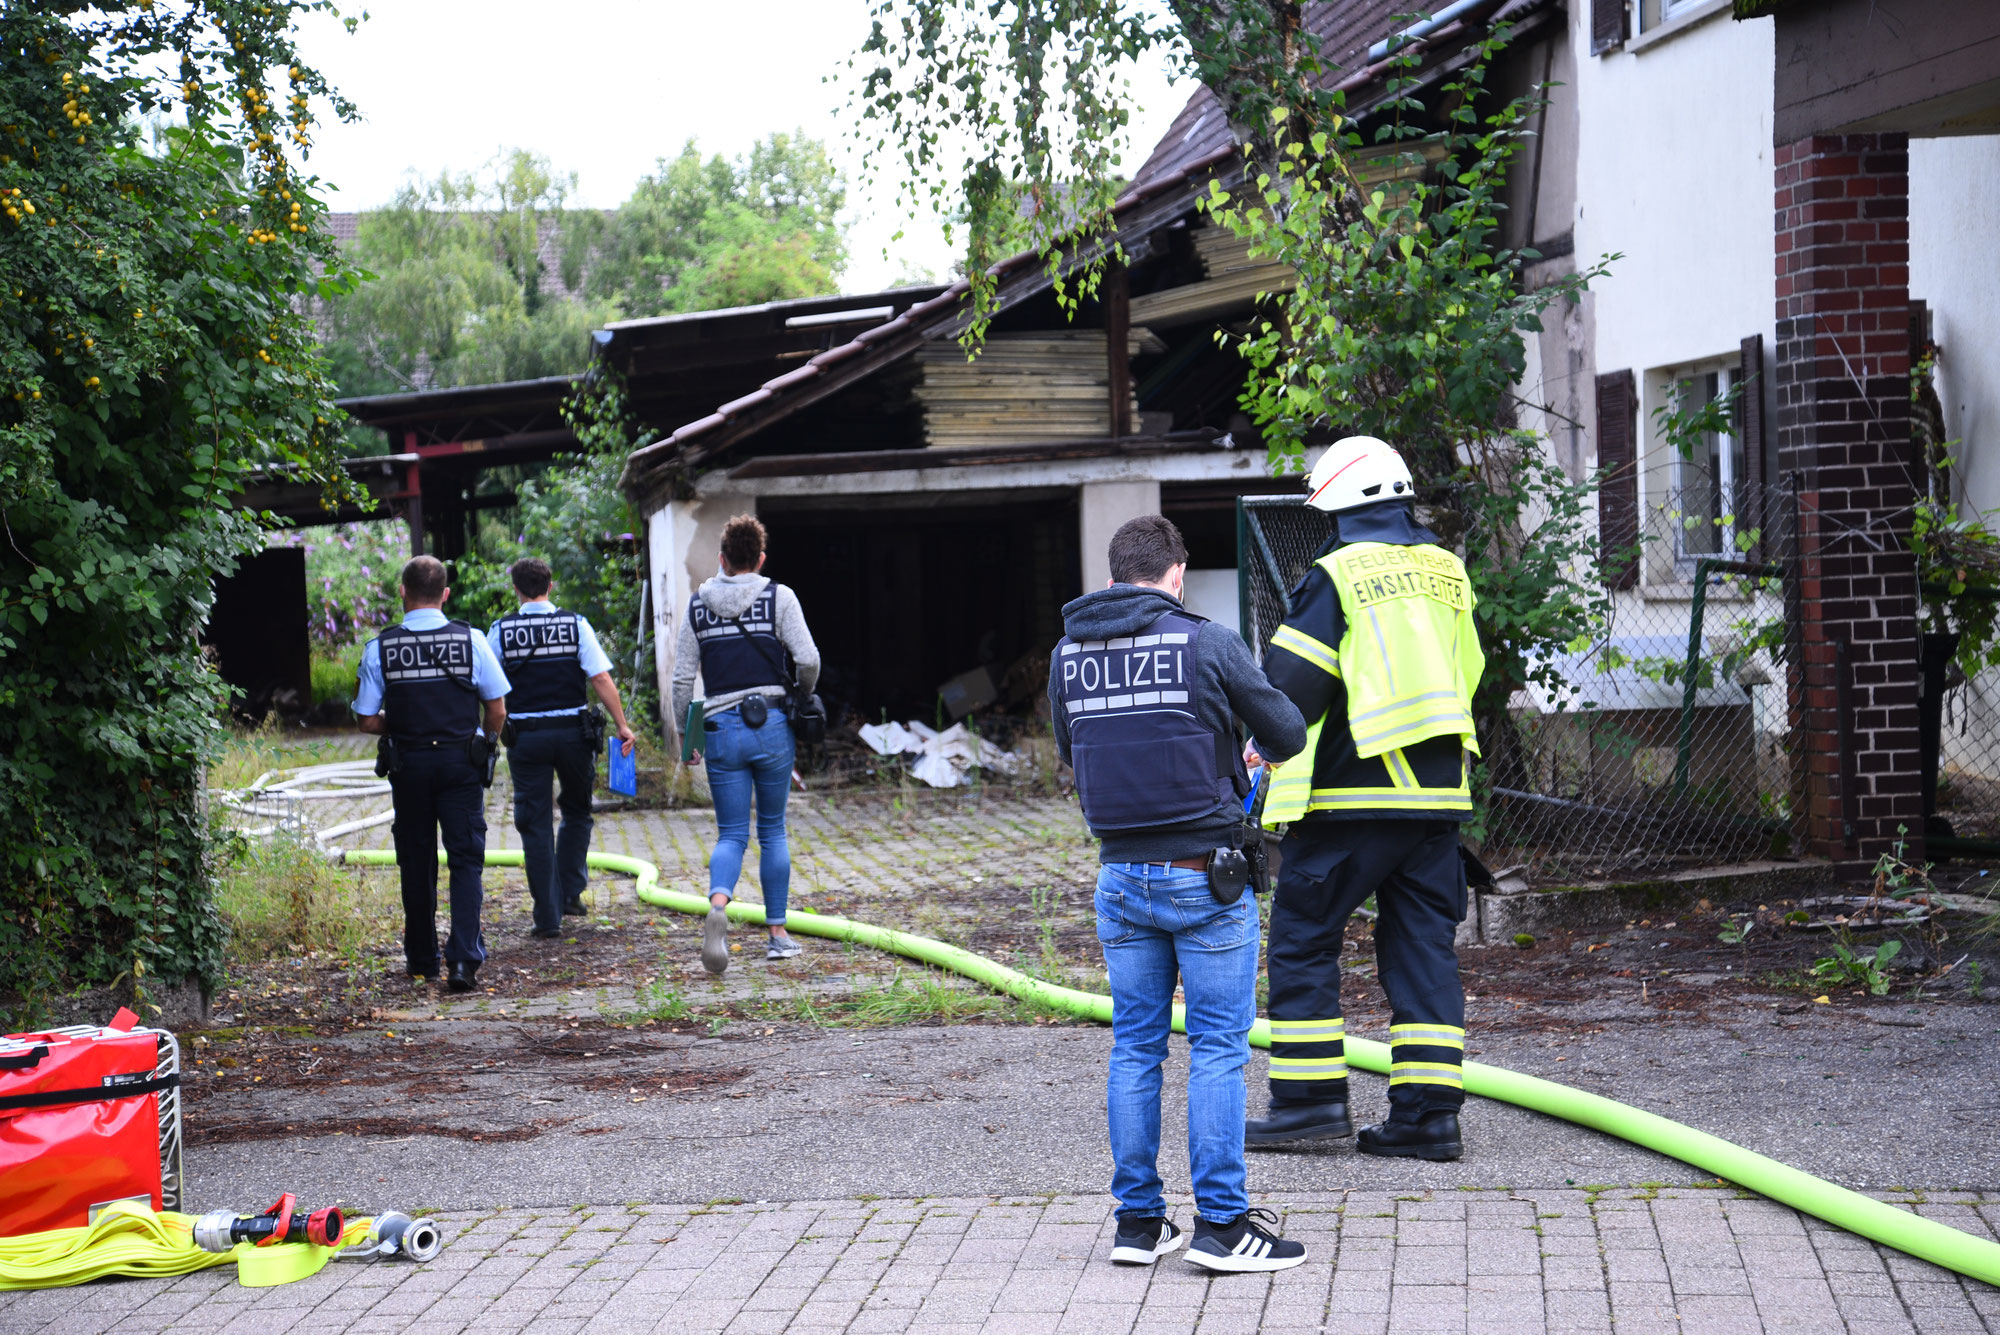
column 350, row 579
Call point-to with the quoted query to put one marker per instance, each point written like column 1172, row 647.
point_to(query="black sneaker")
column 1243, row 1244
column 1144, row 1241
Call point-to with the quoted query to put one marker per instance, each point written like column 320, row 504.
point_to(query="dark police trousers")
column 1412, row 868
column 438, row 789
column 555, row 862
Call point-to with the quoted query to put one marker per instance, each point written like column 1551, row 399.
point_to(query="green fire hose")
column 1923, row 1238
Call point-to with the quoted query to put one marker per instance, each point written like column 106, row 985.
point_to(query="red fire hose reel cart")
column 88, row 1115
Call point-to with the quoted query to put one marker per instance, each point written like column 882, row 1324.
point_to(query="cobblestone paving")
column 1002, row 872
column 1495, row 1262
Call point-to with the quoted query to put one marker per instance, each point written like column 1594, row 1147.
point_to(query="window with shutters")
column 1708, row 494
column 1618, row 480
column 1698, row 497
column 1607, row 25
column 1653, row 15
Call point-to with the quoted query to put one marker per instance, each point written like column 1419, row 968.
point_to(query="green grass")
column 250, row 752
column 280, row 898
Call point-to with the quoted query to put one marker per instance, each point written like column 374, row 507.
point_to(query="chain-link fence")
column 1664, row 744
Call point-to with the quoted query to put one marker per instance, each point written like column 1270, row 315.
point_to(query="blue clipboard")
column 624, row 770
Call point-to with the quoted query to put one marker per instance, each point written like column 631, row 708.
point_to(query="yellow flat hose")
column 1875, row 1220
column 139, row 1242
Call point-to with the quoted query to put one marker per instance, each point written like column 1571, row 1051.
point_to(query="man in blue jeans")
column 1145, row 698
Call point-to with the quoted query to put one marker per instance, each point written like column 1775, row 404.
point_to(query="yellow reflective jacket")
column 1407, row 663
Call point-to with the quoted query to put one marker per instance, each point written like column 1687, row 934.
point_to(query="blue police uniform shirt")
column 487, row 675
column 590, row 655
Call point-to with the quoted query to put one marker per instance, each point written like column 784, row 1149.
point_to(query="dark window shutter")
column 1618, row 480
column 1607, row 25
column 1750, row 424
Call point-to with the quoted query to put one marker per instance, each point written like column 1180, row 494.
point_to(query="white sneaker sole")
column 1145, row 1255
column 715, row 942
column 1237, row 1265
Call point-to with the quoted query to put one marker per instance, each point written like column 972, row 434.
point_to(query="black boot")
column 1287, row 1123
column 1435, row 1137
column 460, row 978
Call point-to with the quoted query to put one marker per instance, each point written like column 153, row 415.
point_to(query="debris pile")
column 941, row 759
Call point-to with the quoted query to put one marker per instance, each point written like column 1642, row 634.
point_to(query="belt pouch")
column 1228, row 873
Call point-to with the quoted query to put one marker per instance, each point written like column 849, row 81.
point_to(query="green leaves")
column 150, row 353
column 1007, row 120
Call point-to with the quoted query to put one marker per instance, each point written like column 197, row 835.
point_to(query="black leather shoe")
column 573, row 908
column 460, row 978
column 1435, row 1138
column 423, row 973
column 1287, row 1123
column 546, row 933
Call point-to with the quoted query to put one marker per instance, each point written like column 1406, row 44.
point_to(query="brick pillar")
column 1843, row 254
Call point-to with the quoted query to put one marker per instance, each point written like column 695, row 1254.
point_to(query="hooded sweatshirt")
column 1228, row 685
column 730, row 596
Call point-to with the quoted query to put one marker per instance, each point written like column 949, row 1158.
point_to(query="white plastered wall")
column 1674, row 173
column 1101, row 508
column 1954, row 214
column 1954, row 203
column 683, row 541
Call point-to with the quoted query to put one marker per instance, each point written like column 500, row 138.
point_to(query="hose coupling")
column 220, row 1230
column 401, row 1235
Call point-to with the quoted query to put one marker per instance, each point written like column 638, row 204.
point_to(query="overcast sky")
column 605, row 87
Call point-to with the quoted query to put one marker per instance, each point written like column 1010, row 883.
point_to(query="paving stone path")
column 1690, row 1262
column 1634, row 1260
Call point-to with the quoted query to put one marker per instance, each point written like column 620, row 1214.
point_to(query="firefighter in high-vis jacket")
column 1381, row 650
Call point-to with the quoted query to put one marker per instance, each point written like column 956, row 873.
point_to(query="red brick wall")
column 1842, row 373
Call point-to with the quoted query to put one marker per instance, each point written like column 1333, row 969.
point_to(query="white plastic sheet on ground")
column 941, row 759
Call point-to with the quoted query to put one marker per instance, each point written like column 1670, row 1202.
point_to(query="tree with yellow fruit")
column 152, row 351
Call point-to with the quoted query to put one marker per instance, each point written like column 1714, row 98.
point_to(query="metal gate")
column 1277, row 538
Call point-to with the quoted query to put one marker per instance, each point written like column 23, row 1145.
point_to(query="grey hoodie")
column 729, row 596
column 1229, row 686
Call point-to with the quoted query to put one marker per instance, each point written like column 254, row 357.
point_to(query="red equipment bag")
column 88, row 1115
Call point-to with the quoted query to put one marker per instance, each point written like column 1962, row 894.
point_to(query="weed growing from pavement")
column 1047, row 901
column 1849, row 966
column 662, row 1001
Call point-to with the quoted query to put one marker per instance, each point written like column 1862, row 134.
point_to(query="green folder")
column 690, row 729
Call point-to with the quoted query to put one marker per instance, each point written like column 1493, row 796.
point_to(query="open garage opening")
column 904, row 594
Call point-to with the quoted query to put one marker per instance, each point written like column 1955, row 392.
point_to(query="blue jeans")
column 744, row 761
column 1159, row 925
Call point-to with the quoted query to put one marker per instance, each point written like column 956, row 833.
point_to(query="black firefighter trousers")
column 1329, row 868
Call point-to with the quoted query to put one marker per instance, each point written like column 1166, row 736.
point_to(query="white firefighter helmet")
column 1358, row 470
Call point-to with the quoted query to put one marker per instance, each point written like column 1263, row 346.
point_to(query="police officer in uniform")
column 432, row 689
column 1380, row 650
column 1145, row 698
column 553, row 660
column 747, row 638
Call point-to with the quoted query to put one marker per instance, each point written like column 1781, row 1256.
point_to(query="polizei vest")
column 1141, row 754
column 730, row 661
column 427, row 687
column 540, row 655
